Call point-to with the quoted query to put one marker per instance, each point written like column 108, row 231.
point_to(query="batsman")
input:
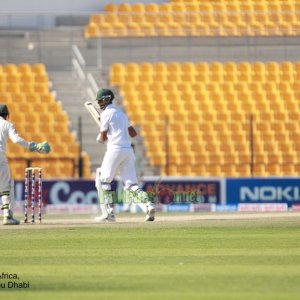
column 116, row 130
column 8, row 131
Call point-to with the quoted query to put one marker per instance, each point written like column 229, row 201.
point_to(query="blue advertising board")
column 65, row 191
column 166, row 191
column 263, row 190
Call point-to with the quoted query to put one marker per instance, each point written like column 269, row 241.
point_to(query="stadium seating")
column 209, row 115
column 38, row 117
column 197, row 18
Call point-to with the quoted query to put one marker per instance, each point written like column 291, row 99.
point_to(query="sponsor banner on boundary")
column 178, row 207
column 226, row 207
column 184, row 189
column 71, row 209
column 296, row 207
column 263, row 190
column 263, row 207
column 202, row 207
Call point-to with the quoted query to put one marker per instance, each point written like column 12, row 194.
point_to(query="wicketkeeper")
column 116, row 130
column 8, row 130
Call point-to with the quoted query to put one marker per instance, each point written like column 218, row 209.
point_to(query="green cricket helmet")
column 4, row 109
column 104, row 97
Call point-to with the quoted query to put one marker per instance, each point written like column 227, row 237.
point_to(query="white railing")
column 85, row 79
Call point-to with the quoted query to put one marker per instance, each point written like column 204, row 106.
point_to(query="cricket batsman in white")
column 8, row 130
column 116, row 130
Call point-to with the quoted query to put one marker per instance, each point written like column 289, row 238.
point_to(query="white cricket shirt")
column 116, row 123
column 8, row 130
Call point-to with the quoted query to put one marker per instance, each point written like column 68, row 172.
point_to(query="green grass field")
column 208, row 259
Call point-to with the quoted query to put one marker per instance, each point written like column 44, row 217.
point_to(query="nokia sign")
column 270, row 193
column 263, row 190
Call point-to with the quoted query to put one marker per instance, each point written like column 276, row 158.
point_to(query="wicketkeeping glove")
column 43, row 147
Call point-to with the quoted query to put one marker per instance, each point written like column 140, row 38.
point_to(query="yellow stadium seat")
column 105, row 29
column 27, row 88
column 165, row 8
column 10, row 69
column 178, row 12
column 110, row 8
column 124, row 13
column 91, row 31
column 259, row 170
column 13, row 78
column 175, row 29
column 119, row 29
column 138, row 12
column 111, row 19
column 228, row 29
column 146, row 68
column 160, row 28
column 288, row 12
column 213, row 170
column 205, row 18
column 24, row 69
column 39, row 69
column 272, row 67
column 289, row 170
column 97, row 19
column 133, row 29
column 147, row 29
column 27, row 78
column 12, row 88
column 47, row 98
column 152, row 13
column 273, row 169
column 230, row 103
column 117, row 74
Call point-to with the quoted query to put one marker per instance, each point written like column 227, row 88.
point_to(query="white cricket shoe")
column 106, row 218
column 150, row 214
column 10, row 221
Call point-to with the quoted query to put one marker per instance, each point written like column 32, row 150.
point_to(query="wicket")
column 31, row 194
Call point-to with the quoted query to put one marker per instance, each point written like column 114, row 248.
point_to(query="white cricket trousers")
column 4, row 176
column 122, row 160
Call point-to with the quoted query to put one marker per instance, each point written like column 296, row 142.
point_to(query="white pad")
column 9, row 199
column 6, row 200
column 105, row 186
column 98, row 180
column 12, row 195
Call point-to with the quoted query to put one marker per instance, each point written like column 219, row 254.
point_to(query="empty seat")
column 221, row 110
column 36, row 119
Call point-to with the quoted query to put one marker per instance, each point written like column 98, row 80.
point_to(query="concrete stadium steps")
column 53, row 48
column 72, row 97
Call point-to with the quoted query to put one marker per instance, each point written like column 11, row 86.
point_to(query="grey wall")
column 33, row 6
column 25, row 14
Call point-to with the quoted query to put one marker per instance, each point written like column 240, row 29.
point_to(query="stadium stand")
column 197, row 18
column 38, row 117
column 212, row 108
column 215, row 104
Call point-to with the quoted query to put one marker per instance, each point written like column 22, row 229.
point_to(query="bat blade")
column 95, row 113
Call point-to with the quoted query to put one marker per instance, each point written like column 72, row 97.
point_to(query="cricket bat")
column 95, row 113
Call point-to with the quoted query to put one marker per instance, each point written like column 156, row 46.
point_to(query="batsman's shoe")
column 150, row 214
column 10, row 221
column 106, row 218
